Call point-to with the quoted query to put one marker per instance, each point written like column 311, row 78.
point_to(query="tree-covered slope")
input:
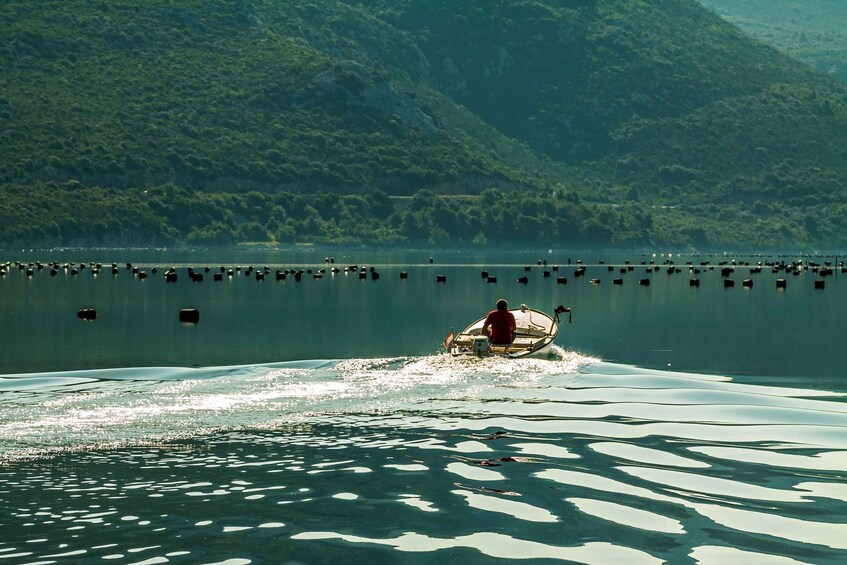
column 659, row 95
column 635, row 104
column 228, row 94
column 813, row 32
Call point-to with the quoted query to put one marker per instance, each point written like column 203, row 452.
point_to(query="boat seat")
column 518, row 345
column 521, row 343
column 534, row 332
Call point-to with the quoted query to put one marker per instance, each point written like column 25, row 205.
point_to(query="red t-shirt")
column 502, row 323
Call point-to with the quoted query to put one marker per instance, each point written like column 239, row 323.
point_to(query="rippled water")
column 419, row 459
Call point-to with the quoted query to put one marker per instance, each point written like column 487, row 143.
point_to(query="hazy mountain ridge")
column 641, row 103
column 813, row 32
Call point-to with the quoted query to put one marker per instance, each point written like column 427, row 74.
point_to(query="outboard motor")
column 561, row 310
column 481, row 347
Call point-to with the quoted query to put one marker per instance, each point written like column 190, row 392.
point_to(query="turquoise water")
column 323, row 424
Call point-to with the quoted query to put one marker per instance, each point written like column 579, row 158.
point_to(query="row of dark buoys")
column 727, row 267
column 694, row 282
column 727, row 270
column 778, row 265
column 781, row 284
column 170, row 275
column 186, row 315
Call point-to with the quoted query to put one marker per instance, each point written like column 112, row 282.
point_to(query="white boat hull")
column 534, row 337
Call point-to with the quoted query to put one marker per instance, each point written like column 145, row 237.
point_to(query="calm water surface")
column 316, row 420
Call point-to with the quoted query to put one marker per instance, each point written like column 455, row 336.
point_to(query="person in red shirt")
column 500, row 325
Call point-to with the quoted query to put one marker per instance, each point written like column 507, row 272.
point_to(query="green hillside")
column 215, row 122
column 812, row 32
column 660, row 96
column 226, row 95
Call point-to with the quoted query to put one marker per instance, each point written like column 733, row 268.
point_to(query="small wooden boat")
column 534, row 336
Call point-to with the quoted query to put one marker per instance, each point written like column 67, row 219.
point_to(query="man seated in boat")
column 500, row 326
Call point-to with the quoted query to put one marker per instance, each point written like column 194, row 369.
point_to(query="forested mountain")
column 604, row 108
column 661, row 96
column 814, row 32
column 226, row 95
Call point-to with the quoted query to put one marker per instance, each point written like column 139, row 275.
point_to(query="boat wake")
column 54, row 412
column 567, row 458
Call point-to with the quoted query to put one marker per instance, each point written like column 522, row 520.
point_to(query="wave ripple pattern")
column 415, row 459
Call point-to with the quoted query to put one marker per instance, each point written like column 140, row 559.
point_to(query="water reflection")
column 668, row 325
